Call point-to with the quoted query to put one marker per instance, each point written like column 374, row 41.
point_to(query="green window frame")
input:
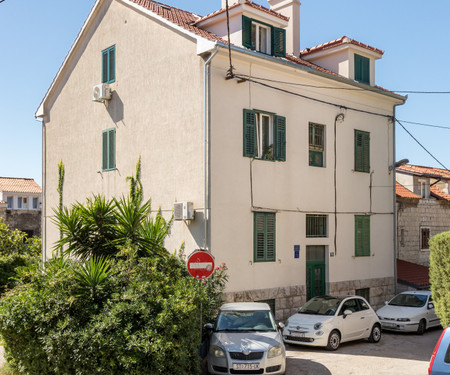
column 264, row 135
column 362, row 151
column 109, row 65
column 316, row 145
column 277, row 37
column 362, row 235
column 316, row 225
column 264, row 237
column 362, row 69
column 109, row 150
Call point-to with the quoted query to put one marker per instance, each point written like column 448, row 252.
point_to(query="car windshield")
column 409, row 300
column 245, row 321
column 321, row 306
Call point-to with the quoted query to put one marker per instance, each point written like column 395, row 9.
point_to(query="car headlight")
column 318, row 326
column 275, row 351
column 403, row 320
column 217, row 351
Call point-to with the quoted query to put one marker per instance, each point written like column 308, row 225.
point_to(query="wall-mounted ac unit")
column 101, row 92
column 183, row 211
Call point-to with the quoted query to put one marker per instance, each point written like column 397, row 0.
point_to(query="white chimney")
column 291, row 9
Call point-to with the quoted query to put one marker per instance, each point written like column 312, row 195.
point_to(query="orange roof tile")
column 412, row 274
column 438, row 193
column 403, row 192
column 19, row 185
column 338, row 42
column 421, row 170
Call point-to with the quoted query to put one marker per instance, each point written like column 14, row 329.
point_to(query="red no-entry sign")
column 200, row 264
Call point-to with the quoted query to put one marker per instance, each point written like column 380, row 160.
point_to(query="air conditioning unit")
column 183, row 211
column 101, row 92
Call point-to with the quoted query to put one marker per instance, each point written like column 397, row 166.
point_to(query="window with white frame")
column 261, row 36
column 19, row 202
column 35, row 203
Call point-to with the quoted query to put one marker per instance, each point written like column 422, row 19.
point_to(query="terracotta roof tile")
column 403, row 192
column 19, row 185
column 248, row 2
column 412, row 274
column 421, row 170
column 337, row 42
column 438, row 193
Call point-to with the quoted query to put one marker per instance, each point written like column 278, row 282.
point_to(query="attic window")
column 362, row 69
column 263, row 38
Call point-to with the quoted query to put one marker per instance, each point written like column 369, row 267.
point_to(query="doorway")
column 315, row 271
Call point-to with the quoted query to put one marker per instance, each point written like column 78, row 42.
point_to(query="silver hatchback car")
column 246, row 340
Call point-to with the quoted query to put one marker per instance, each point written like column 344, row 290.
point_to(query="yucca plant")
column 92, row 276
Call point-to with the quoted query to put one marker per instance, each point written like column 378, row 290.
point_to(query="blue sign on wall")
column 296, row 251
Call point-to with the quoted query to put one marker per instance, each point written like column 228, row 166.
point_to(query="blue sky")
column 35, row 36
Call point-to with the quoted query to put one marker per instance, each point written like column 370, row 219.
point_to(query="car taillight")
column 433, row 356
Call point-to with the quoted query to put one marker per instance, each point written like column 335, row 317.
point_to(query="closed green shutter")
column 112, row 65
column 249, row 133
column 362, row 69
column 105, row 151
column 362, row 235
column 362, row 151
column 264, row 237
column 109, row 65
column 247, row 33
column 278, row 42
column 280, row 138
column 109, row 150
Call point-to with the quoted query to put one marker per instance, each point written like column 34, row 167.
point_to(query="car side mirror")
column 386, row 302
column 281, row 326
column 347, row 312
column 208, row 327
column 430, row 306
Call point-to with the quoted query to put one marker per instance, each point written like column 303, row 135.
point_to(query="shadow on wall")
column 115, row 108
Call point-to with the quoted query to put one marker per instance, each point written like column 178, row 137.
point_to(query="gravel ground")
column 396, row 353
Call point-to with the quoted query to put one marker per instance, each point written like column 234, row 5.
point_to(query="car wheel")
column 334, row 340
column 375, row 335
column 422, row 326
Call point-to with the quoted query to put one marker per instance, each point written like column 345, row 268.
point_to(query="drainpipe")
column 206, row 120
column 44, row 190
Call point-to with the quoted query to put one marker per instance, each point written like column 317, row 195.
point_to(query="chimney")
column 291, row 9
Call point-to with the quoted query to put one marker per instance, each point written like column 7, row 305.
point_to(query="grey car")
column 245, row 340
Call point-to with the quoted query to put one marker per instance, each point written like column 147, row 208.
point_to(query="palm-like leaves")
column 92, row 275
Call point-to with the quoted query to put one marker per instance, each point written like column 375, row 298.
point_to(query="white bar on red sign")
column 200, row 265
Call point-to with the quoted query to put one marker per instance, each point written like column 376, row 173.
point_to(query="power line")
column 429, row 125
column 420, row 144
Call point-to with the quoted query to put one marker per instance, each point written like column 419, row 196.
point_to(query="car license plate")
column 297, row 334
column 245, row 366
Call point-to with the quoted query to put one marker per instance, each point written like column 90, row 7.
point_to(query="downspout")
column 44, row 190
column 206, row 123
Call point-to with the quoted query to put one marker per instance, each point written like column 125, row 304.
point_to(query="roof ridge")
column 342, row 40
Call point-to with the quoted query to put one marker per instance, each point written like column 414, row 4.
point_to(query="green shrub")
column 440, row 275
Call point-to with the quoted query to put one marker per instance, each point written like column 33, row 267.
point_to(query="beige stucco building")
column 287, row 169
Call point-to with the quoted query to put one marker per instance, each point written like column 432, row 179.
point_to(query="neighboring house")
column 20, row 204
column 423, row 210
column 282, row 160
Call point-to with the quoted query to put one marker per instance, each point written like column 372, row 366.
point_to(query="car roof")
column 244, row 306
column 426, row 292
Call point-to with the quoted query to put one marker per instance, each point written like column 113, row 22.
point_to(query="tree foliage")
column 440, row 275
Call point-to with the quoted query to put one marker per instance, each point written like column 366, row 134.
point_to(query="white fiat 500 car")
column 246, row 340
column 409, row 312
column 327, row 321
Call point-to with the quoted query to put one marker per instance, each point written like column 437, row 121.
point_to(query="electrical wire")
column 429, row 125
column 420, row 144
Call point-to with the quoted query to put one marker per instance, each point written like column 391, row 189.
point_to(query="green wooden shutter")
column 112, row 65
column 105, row 151
column 112, row 149
column 362, row 151
column 264, row 237
column 104, row 66
column 280, row 138
column 362, row 69
column 278, row 42
column 247, row 33
column 362, row 235
column 249, row 133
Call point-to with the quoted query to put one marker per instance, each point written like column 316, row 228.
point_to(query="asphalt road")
column 396, row 353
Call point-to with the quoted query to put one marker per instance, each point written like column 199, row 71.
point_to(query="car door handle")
column 362, row 317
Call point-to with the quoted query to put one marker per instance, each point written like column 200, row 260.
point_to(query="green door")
column 315, row 271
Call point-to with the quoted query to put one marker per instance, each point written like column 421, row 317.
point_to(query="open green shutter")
column 247, row 33
column 249, row 133
column 270, row 237
column 104, row 66
column 105, row 151
column 278, row 42
column 280, row 138
column 112, row 65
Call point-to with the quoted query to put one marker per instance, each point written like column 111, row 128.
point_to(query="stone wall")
column 28, row 221
column 289, row 299
column 412, row 216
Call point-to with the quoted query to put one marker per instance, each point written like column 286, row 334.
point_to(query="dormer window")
column 263, row 38
column 362, row 69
